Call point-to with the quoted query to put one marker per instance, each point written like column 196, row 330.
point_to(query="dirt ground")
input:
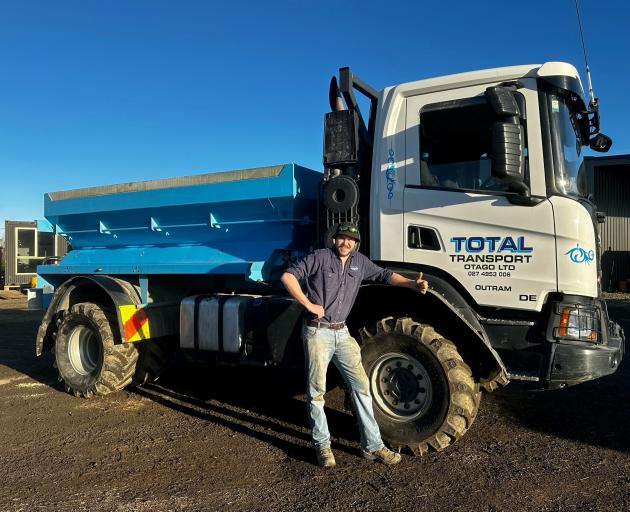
column 208, row 438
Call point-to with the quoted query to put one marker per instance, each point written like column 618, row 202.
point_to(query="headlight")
column 579, row 323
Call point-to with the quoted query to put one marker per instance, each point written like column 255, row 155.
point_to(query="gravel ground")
column 207, row 438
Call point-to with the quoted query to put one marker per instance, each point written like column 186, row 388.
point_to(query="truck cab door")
column 461, row 220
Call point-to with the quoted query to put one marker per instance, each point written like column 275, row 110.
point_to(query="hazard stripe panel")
column 135, row 323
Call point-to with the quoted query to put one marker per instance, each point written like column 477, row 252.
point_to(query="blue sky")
column 96, row 92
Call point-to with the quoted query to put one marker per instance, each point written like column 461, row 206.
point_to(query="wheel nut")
column 398, row 364
column 406, row 406
column 384, row 379
column 416, row 401
column 388, row 369
column 386, row 392
column 395, row 402
column 409, row 367
column 422, row 390
column 419, row 376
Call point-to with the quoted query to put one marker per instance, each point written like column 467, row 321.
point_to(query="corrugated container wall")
column 609, row 179
column 25, row 248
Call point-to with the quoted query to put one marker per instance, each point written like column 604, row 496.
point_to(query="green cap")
column 348, row 229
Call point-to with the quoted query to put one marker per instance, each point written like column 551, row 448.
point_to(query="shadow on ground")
column 269, row 405
column 595, row 413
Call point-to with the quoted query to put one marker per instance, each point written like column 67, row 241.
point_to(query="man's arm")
column 372, row 272
column 420, row 285
column 292, row 285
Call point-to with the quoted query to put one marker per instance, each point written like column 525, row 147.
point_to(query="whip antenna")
column 591, row 96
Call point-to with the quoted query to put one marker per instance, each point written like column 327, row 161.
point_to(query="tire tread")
column 464, row 392
column 119, row 359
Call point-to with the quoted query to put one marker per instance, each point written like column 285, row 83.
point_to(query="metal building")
column 2, row 265
column 609, row 183
column 26, row 246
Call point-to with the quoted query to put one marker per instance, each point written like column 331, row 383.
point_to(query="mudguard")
column 120, row 292
column 134, row 318
column 452, row 299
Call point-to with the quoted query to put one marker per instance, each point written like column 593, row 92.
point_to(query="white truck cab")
column 432, row 178
column 476, row 180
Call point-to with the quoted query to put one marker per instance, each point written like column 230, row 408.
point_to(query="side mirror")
column 341, row 138
column 600, row 143
column 508, row 140
column 508, row 159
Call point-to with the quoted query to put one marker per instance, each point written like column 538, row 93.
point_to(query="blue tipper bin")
column 233, row 222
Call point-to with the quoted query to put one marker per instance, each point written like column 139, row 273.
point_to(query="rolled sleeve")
column 305, row 267
column 372, row 272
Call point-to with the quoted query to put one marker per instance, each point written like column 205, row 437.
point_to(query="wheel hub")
column 84, row 350
column 401, row 386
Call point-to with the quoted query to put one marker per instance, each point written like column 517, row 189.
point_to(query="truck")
column 475, row 179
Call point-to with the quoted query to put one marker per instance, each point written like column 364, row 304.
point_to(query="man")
column 333, row 277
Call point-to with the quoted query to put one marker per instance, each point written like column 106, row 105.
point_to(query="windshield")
column 570, row 175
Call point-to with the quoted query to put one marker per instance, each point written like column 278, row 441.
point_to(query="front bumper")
column 572, row 364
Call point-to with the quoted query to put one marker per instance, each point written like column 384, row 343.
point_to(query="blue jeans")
column 320, row 347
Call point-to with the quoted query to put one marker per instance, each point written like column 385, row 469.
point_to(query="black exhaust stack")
column 347, row 157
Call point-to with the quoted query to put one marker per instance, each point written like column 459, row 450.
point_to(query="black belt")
column 325, row 325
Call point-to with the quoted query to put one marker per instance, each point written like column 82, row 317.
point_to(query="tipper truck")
column 475, row 179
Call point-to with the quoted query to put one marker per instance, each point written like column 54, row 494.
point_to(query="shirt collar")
column 337, row 259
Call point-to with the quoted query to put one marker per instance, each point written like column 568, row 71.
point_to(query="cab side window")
column 456, row 146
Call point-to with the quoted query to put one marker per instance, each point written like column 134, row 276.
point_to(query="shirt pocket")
column 331, row 278
column 354, row 277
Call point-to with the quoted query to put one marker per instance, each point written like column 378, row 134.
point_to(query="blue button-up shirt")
column 333, row 287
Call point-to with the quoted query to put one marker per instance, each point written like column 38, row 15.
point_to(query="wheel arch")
column 104, row 290
column 444, row 308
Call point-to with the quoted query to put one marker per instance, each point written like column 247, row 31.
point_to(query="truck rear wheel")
column 424, row 393
column 89, row 360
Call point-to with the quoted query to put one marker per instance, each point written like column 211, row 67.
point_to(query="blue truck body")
column 233, row 222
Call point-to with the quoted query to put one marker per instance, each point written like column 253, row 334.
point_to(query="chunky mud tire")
column 87, row 355
column 425, row 397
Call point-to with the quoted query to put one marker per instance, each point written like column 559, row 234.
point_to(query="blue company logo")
column 474, row 244
column 390, row 174
column 580, row 255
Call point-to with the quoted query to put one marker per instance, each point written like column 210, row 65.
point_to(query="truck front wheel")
column 89, row 360
column 424, row 393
